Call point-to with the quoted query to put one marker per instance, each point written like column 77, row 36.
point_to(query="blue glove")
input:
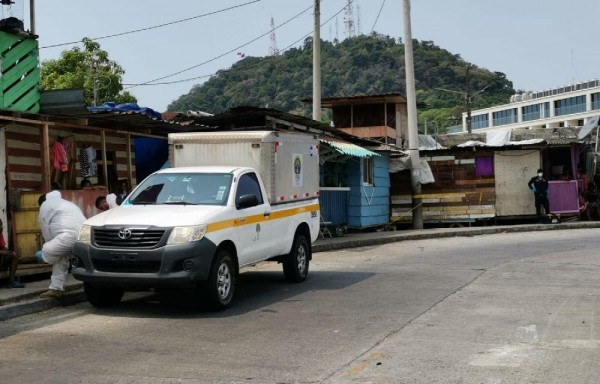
column 40, row 256
column 533, row 189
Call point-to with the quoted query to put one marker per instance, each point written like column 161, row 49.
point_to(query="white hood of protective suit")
column 60, row 221
column 157, row 215
column 111, row 200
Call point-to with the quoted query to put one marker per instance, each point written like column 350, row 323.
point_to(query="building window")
column 569, row 106
column 508, row 116
column 368, row 170
column 595, row 100
column 532, row 112
column 546, row 110
column 479, row 121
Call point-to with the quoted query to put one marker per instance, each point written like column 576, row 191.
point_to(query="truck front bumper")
column 166, row 266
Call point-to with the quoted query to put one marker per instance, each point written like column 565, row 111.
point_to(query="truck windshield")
column 183, row 189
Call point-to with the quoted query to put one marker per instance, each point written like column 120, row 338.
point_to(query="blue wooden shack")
column 381, row 121
column 355, row 185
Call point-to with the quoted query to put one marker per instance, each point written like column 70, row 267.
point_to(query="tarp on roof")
column 403, row 164
column 349, row 149
column 498, row 138
column 427, row 142
column 474, row 143
column 126, row 108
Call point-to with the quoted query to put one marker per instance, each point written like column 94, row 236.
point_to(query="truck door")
column 254, row 224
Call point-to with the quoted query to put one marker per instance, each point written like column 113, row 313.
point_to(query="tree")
column 90, row 69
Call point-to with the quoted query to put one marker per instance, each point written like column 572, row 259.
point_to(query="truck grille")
column 140, row 238
column 126, row 266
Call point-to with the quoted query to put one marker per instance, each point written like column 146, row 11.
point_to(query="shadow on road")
column 255, row 290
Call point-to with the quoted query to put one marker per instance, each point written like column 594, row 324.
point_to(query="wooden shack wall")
column 23, row 151
column 458, row 194
column 369, row 206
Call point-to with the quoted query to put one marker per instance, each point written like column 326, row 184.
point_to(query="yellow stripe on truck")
column 238, row 222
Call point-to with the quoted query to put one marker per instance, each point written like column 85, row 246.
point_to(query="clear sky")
column 538, row 44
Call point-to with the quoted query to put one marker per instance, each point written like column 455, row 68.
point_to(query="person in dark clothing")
column 539, row 185
column 591, row 198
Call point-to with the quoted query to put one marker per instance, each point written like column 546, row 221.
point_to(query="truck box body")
column 288, row 163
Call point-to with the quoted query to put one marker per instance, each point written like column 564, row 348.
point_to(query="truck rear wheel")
column 295, row 265
column 102, row 296
column 221, row 281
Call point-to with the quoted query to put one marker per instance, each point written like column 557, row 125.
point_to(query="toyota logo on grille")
column 124, row 233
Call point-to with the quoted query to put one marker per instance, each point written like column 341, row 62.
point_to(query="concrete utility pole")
column 317, row 63
column 32, row 15
column 413, row 130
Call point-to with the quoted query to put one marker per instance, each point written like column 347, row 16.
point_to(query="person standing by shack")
column 9, row 260
column 59, row 221
column 539, row 185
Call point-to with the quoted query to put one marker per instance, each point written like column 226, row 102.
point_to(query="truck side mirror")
column 247, row 201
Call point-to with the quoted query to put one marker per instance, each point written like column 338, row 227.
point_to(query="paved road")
column 506, row 308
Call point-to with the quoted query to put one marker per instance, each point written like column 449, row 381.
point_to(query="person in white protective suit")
column 60, row 221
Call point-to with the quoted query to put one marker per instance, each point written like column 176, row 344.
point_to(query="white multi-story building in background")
column 568, row 106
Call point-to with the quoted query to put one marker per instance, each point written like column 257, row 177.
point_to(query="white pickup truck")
column 196, row 226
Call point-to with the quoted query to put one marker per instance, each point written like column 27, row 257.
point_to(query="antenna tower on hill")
column 358, row 31
column 273, row 51
column 349, row 19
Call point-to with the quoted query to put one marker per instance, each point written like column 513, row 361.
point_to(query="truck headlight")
column 182, row 235
column 85, row 234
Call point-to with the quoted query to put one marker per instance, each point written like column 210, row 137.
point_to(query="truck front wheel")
column 295, row 265
column 102, row 296
column 221, row 282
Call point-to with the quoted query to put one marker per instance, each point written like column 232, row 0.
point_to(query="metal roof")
column 349, row 149
column 249, row 118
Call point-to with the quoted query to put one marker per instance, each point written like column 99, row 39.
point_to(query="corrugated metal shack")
column 478, row 179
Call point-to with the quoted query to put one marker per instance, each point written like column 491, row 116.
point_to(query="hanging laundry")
column 58, row 156
column 84, row 163
column 87, row 161
column 91, row 155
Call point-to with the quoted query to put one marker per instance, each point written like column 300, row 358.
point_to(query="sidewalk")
column 19, row 302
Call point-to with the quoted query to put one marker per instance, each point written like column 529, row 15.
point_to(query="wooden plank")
column 475, row 182
column 439, row 195
column 28, row 270
column 452, row 200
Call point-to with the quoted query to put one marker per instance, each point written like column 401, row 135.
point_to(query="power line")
column 238, row 68
column 155, row 26
column 225, row 53
column 378, row 14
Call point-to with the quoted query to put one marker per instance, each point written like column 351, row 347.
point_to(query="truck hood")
column 156, row 215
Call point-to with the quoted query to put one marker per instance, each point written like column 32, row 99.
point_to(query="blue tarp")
column 125, row 108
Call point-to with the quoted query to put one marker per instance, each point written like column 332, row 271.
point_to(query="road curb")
column 391, row 237
column 29, row 303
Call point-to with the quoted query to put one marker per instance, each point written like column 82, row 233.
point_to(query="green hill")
column 358, row 66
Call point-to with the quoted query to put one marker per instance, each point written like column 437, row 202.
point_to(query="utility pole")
column 32, row 15
column 413, row 130
column 468, row 95
column 317, row 63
